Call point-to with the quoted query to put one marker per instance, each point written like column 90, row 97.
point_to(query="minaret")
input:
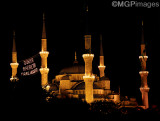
column 14, row 64
column 101, row 57
column 143, row 73
column 44, row 54
column 89, row 77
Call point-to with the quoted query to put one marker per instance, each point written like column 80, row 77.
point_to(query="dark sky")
column 65, row 26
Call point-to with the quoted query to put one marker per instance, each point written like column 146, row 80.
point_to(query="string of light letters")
column 29, row 66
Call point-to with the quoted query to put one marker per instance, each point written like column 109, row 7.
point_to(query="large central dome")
column 75, row 69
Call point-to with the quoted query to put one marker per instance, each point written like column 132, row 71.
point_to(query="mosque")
column 79, row 81
column 73, row 81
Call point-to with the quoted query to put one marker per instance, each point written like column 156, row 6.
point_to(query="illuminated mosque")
column 79, row 81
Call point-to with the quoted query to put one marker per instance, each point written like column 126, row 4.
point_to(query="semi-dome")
column 54, row 87
column 75, row 69
column 81, row 86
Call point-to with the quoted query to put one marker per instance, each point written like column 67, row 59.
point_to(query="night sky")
column 65, row 27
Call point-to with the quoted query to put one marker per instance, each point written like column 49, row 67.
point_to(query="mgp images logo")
column 135, row 4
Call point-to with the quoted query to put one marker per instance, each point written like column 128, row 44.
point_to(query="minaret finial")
column 75, row 56
column 75, row 61
column 44, row 28
column 86, row 17
column 87, row 8
column 142, row 33
column 43, row 16
column 142, row 22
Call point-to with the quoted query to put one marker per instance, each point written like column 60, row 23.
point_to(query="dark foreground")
column 35, row 107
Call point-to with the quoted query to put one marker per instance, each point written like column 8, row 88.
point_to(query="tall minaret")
column 44, row 54
column 89, row 77
column 143, row 73
column 14, row 64
column 101, row 57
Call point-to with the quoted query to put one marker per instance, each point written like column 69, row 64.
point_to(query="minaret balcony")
column 14, row 79
column 143, row 72
column 101, row 66
column 14, row 65
column 141, row 57
column 44, row 70
column 87, row 55
column 43, row 52
column 144, row 89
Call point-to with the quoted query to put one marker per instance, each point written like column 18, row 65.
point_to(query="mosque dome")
column 75, row 69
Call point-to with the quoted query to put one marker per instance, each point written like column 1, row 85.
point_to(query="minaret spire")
column 87, row 36
column 86, row 14
column 142, row 41
column 14, row 52
column 14, row 43
column 44, row 28
column 44, row 38
column 101, row 46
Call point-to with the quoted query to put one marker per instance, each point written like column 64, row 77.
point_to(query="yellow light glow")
column 87, row 55
column 143, row 72
column 92, row 77
column 147, row 88
column 11, row 78
column 16, row 64
column 143, row 57
column 44, row 52
column 47, row 88
column 44, row 69
column 101, row 66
